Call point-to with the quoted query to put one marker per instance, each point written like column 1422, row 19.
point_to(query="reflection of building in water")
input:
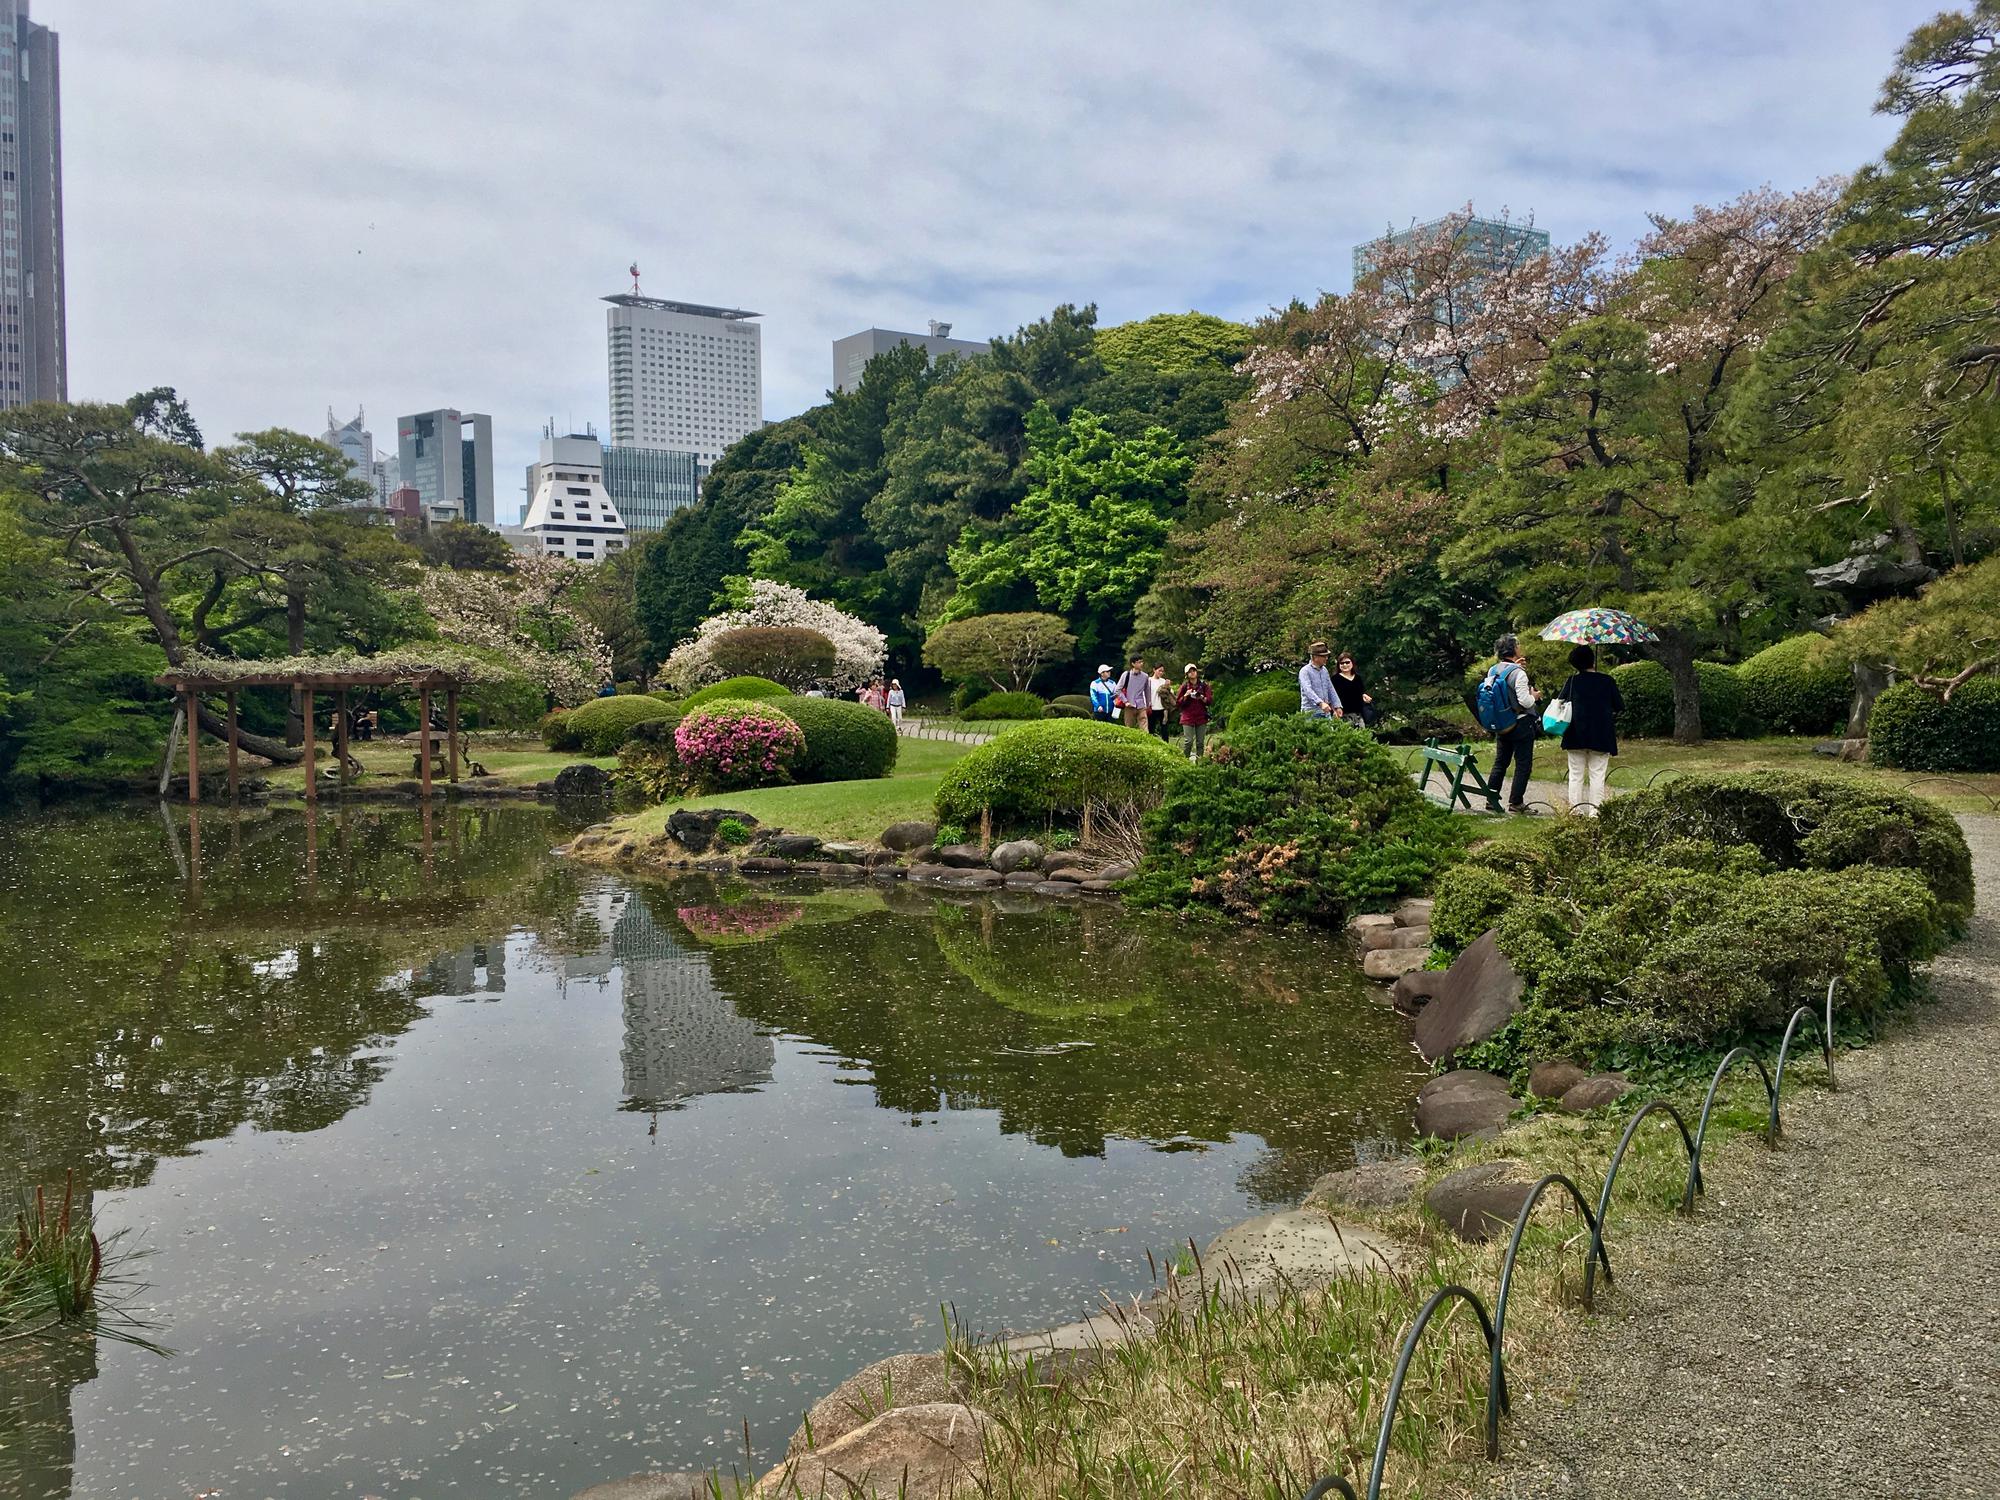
column 480, row 969
column 683, row 1037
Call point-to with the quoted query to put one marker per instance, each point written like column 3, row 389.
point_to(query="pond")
column 458, row 1168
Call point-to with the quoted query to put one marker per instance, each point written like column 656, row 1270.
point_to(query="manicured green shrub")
column 1649, row 700
column 1294, row 820
column 667, row 696
column 731, row 744
column 1268, row 704
column 1071, row 700
column 1005, row 706
column 748, row 689
column 1798, row 686
column 845, row 741
column 968, row 693
column 600, row 726
column 557, row 732
column 1914, row 731
column 1233, row 690
column 788, row 654
column 648, row 762
column 1055, row 766
column 1065, row 711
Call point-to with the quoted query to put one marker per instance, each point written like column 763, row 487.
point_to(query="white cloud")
column 276, row 207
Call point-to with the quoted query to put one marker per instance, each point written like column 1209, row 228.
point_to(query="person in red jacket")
column 1194, row 698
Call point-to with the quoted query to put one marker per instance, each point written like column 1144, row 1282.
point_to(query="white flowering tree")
column 859, row 649
column 530, row 618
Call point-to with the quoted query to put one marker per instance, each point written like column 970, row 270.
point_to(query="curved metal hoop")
column 1674, row 771
column 1496, row 1377
column 1694, row 1184
column 1441, row 1296
column 1825, row 1024
column 1333, row 1484
column 1966, row 788
column 1729, row 1060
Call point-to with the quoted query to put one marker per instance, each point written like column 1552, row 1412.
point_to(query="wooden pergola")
column 190, row 683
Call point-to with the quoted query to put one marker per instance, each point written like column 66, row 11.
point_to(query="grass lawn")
column 852, row 811
column 513, row 761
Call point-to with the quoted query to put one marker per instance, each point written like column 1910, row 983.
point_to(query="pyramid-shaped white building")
column 571, row 514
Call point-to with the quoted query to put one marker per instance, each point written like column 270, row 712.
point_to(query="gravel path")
column 1829, row 1324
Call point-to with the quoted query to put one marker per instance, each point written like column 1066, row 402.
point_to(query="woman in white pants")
column 896, row 700
column 1592, row 736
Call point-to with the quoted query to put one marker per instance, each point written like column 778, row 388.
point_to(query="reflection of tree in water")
column 173, row 1016
column 1081, row 1024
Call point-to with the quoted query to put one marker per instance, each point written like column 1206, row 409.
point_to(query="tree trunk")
column 1675, row 652
column 275, row 751
column 1869, row 681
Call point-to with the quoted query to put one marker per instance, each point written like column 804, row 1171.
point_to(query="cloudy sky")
column 278, row 206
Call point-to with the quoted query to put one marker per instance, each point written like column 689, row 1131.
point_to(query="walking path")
column 1829, row 1322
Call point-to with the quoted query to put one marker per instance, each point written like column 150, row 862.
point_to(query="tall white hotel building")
column 683, row 376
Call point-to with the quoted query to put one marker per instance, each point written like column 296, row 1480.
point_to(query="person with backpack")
column 1506, row 707
column 1590, row 738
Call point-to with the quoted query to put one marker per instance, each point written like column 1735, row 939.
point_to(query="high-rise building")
column 851, row 354
column 448, row 456
column 1492, row 243
column 357, row 444
column 684, row 377
column 570, row 513
column 650, row 484
column 34, row 353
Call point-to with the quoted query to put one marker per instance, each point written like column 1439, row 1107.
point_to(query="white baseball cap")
column 1104, row 666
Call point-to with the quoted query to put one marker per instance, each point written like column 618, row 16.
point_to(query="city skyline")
column 800, row 187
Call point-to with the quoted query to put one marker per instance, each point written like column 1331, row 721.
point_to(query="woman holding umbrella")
column 1590, row 737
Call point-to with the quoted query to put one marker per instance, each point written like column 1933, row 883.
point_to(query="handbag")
column 1556, row 717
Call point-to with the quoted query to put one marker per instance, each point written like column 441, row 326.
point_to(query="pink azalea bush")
column 731, row 744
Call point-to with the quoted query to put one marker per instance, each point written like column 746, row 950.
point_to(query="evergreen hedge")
column 1267, row 703
column 1053, row 767
column 1648, row 692
column 746, row 689
column 1004, row 706
column 599, row 727
column 845, row 741
column 1914, row 731
column 1798, row 686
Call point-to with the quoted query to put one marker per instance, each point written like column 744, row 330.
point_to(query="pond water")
column 461, row 1169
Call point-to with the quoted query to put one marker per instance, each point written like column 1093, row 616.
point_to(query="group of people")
column 1334, row 693
column 1154, row 702
column 1586, row 706
column 886, row 698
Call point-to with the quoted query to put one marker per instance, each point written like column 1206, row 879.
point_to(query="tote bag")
column 1556, row 717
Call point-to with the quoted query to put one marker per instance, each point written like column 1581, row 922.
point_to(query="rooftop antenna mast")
column 635, row 278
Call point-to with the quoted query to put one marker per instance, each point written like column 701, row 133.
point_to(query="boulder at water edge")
column 649, row 1487
column 1480, row 994
column 1481, row 1201
column 965, row 856
column 904, row 837
column 1374, row 1184
column 1360, row 927
column 933, row 1451
column 1415, row 912
column 583, row 781
column 1389, row 963
column 1465, row 1103
column 694, row 828
column 787, row 845
column 1016, row 854
column 1413, row 991
column 1301, row 1247
column 899, row 1380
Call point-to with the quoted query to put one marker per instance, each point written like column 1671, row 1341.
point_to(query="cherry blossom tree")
column 859, row 649
column 529, row 617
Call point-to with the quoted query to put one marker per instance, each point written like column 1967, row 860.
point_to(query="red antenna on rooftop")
column 635, row 278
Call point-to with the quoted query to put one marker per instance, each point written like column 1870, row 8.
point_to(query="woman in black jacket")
column 1592, row 736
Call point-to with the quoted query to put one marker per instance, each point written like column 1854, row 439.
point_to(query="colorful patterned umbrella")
column 1597, row 627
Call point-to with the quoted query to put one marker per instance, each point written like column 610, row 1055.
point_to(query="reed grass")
column 57, row 1274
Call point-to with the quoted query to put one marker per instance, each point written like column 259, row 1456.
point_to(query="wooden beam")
column 451, row 737
column 173, row 749
column 340, row 731
column 232, row 746
column 424, row 740
column 194, row 749
column 312, row 750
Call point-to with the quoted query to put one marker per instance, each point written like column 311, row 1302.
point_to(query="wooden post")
column 232, row 744
column 306, row 696
column 340, row 731
column 424, row 741
column 451, row 719
column 194, row 748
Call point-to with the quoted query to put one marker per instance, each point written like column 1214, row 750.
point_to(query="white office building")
column 570, row 513
column 447, row 457
column 684, row 377
column 357, row 444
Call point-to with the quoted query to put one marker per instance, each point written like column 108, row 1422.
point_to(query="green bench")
column 1458, row 771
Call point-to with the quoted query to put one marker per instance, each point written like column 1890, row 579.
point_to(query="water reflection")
column 368, row 1081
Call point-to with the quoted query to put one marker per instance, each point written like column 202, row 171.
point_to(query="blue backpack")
column 1495, row 703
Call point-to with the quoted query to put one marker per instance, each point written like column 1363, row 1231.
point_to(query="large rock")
column 787, row 845
column 846, row 854
column 1016, row 854
column 1554, row 1078
column 965, row 856
column 1062, row 859
column 1413, row 991
column 1410, row 937
column 1117, row 872
column 1480, row 994
column 1300, row 1247
column 935, row 1451
column 1389, row 963
column 764, row 864
column 649, row 1487
column 1375, row 939
column 1464, row 1103
column 899, row 1380
column 954, row 877
column 1416, row 912
column 1058, row 888
column 1596, row 1092
column 1023, row 880
column 583, row 781
column 904, row 837
column 694, row 828
column 1359, row 927
column 1478, row 1202
column 1372, row 1185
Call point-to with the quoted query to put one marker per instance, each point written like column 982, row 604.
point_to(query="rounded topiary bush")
column 845, row 741
column 1648, row 692
column 600, row 726
column 730, row 744
column 1055, row 766
column 1060, row 710
column 558, row 734
column 1071, row 700
column 1798, row 686
column 1005, row 706
column 746, row 689
column 1268, row 703
column 1295, row 819
column 667, row 696
column 1914, row 731
column 1233, row 691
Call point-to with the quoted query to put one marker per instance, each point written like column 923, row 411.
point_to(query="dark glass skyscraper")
column 34, row 356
